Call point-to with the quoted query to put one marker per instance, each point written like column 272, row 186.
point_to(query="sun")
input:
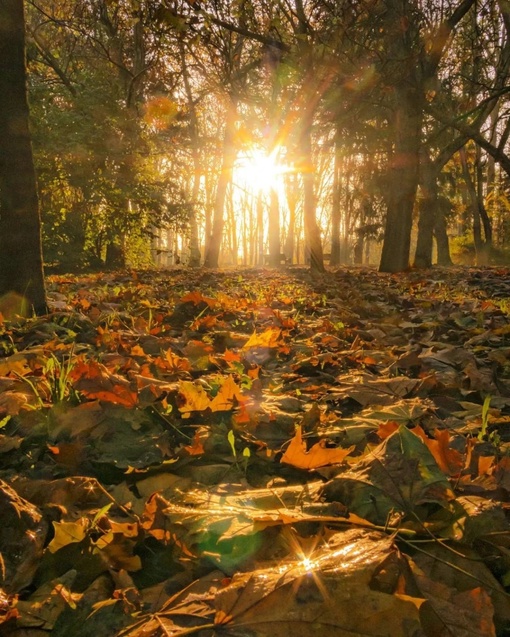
column 256, row 170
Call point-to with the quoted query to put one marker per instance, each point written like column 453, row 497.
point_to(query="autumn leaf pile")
column 257, row 452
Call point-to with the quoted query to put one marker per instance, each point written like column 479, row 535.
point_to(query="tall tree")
column 413, row 61
column 21, row 264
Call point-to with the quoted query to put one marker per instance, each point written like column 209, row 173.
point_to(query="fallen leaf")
column 449, row 460
column 192, row 397
column 68, row 533
column 318, row 456
column 95, row 382
column 269, row 338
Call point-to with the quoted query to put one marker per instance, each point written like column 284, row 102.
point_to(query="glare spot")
column 258, row 171
column 307, row 564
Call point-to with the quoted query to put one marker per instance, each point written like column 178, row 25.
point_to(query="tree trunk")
column 21, row 265
column 312, row 232
column 260, row 230
column 336, row 212
column 290, row 191
column 484, row 217
column 428, row 213
column 474, row 204
column 274, row 229
column 194, row 247
column 442, row 242
column 227, row 165
column 403, row 179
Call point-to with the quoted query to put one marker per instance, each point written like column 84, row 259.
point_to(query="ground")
column 255, row 451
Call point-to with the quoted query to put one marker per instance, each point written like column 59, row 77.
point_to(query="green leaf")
column 232, row 441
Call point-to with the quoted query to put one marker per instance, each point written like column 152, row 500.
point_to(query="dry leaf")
column 318, row 456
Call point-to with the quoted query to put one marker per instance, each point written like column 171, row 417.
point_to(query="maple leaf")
column 448, row 459
column 197, row 297
column 269, row 338
column 192, row 397
column 227, row 394
column 196, row 448
column 318, row 456
column 94, row 381
column 172, row 362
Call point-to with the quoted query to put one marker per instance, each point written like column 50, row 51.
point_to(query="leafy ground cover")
column 253, row 452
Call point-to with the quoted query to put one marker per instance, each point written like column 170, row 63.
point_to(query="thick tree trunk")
column 213, row 249
column 403, row 179
column 21, row 266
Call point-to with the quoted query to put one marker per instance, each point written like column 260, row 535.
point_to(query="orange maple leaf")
column 449, row 460
column 318, row 456
column 94, row 381
column 196, row 448
column 224, row 399
column 196, row 298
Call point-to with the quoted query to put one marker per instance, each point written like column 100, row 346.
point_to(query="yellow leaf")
column 67, row 533
column 269, row 338
column 193, row 397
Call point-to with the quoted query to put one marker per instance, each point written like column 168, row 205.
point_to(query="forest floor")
column 258, row 452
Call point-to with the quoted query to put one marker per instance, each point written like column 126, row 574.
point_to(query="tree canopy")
column 235, row 132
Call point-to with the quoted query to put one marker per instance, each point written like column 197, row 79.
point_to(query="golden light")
column 256, row 170
column 307, row 564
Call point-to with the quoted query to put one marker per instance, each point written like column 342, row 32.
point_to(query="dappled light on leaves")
column 219, row 452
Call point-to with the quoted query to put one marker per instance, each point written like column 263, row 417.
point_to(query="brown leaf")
column 328, row 593
column 22, row 535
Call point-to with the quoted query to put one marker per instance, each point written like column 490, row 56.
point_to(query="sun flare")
column 257, row 170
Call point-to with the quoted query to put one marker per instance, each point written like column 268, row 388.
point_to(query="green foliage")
column 101, row 178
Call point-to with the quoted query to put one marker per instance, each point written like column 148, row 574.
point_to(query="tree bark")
column 336, row 213
column 428, row 213
column 440, row 232
column 290, row 191
column 213, row 249
column 403, row 179
column 312, row 232
column 474, row 205
column 411, row 67
column 194, row 247
column 21, row 264
column 274, row 229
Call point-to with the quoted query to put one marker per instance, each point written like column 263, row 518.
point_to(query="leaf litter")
column 258, row 452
